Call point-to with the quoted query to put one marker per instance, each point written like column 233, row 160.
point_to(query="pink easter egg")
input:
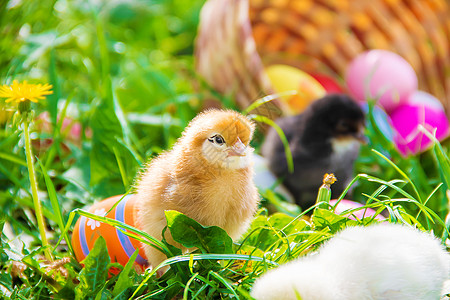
column 420, row 109
column 361, row 213
column 381, row 75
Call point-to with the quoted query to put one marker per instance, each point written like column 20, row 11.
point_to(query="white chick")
column 379, row 262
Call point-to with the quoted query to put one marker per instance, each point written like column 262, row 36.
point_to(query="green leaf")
column 110, row 149
column 67, row 291
column 124, row 281
column 268, row 231
column 189, row 233
column 174, row 250
column 106, row 129
column 103, row 294
column 95, row 272
column 323, row 219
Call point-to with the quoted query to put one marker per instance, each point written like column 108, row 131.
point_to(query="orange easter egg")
column 120, row 246
column 286, row 78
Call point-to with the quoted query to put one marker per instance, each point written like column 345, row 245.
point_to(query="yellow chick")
column 208, row 176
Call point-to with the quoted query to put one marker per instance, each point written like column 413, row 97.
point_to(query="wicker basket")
column 237, row 38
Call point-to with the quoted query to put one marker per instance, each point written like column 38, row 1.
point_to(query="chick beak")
column 238, row 149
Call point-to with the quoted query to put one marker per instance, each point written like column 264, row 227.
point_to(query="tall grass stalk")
column 34, row 189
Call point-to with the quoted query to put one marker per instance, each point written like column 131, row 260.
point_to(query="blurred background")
column 128, row 75
column 123, row 77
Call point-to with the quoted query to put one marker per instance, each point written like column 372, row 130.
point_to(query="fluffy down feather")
column 383, row 261
column 208, row 176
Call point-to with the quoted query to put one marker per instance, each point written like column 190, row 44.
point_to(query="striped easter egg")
column 120, row 246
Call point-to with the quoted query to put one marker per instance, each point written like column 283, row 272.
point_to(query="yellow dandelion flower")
column 21, row 92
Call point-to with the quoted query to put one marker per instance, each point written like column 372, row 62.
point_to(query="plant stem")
column 324, row 194
column 34, row 190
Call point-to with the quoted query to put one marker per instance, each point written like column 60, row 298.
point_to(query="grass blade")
column 287, row 150
column 55, row 205
column 400, row 172
column 442, row 158
column 188, row 257
column 266, row 99
column 224, row 282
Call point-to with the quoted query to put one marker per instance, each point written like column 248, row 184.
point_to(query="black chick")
column 325, row 138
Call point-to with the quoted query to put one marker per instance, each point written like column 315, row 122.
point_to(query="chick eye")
column 217, row 139
column 343, row 126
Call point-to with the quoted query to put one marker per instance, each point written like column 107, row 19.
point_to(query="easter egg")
column 329, row 84
column 381, row 75
column 120, row 246
column 286, row 78
column 345, row 205
column 420, row 109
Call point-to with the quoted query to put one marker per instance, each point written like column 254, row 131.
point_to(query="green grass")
column 124, row 70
